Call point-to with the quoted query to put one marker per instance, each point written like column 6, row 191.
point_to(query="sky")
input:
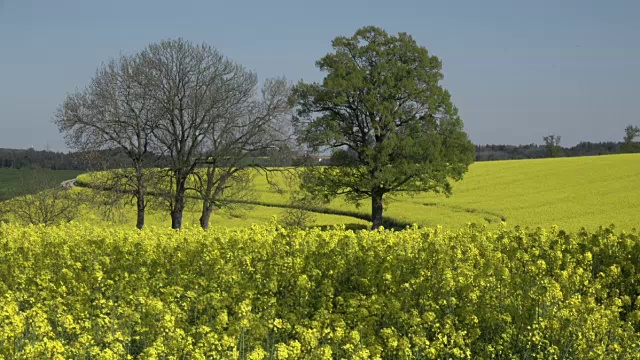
column 517, row 70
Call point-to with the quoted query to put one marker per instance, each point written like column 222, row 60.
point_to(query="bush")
column 77, row 291
column 47, row 207
column 300, row 203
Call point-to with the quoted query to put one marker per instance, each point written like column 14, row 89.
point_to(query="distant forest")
column 44, row 159
column 38, row 159
column 534, row 151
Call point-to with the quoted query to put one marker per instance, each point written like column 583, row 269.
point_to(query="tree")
column 382, row 102
column 552, row 145
column 250, row 126
column 631, row 132
column 629, row 145
column 115, row 114
column 42, row 202
column 194, row 87
column 298, row 212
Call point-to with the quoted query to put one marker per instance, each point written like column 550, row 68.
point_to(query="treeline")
column 45, row 159
column 38, row 159
column 53, row 160
column 535, row 151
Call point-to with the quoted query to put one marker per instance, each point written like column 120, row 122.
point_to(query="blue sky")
column 518, row 70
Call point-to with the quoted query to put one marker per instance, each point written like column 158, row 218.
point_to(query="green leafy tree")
column 630, row 133
column 382, row 106
column 552, row 144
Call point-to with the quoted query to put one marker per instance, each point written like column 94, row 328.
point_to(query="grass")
column 12, row 181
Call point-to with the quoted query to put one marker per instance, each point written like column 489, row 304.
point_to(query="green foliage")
column 381, row 101
column 265, row 292
column 629, row 145
column 630, row 133
column 38, row 159
column 552, row 144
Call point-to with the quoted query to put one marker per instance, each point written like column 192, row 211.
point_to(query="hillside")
column 16, row 181
column 569, row 192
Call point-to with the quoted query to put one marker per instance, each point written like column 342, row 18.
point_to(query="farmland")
column 569, row 192
column 12, row 181
column 260, row 185
column 445, row 288
column 262, row 292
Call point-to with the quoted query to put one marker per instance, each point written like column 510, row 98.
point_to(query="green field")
column 13, row 181
column 569, row 192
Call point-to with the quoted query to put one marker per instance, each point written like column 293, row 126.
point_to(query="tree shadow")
column 349, row 226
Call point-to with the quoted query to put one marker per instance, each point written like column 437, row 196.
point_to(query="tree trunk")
column 207, row 210
column 176, row 219
column 207, row 203
column 140, row 204
column 376, row 208
column 140, row 198
column 179, row 202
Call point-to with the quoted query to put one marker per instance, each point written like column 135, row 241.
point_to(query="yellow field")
column 241, row 217
column 78, row 291
column 569, row 192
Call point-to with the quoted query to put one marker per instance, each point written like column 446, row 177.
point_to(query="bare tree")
column 41, row 202
column 251, row 126
column 183, row 103
column 115, row 112
column 194, row 88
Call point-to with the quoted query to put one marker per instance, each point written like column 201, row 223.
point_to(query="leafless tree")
column 115, row 113
column 186, row 104
column 251, row 126
column 41, row 202
column 195, row 90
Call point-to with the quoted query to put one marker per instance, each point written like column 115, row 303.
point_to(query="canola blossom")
column 264, row 292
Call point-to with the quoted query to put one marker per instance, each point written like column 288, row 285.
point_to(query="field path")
column 68, row 184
